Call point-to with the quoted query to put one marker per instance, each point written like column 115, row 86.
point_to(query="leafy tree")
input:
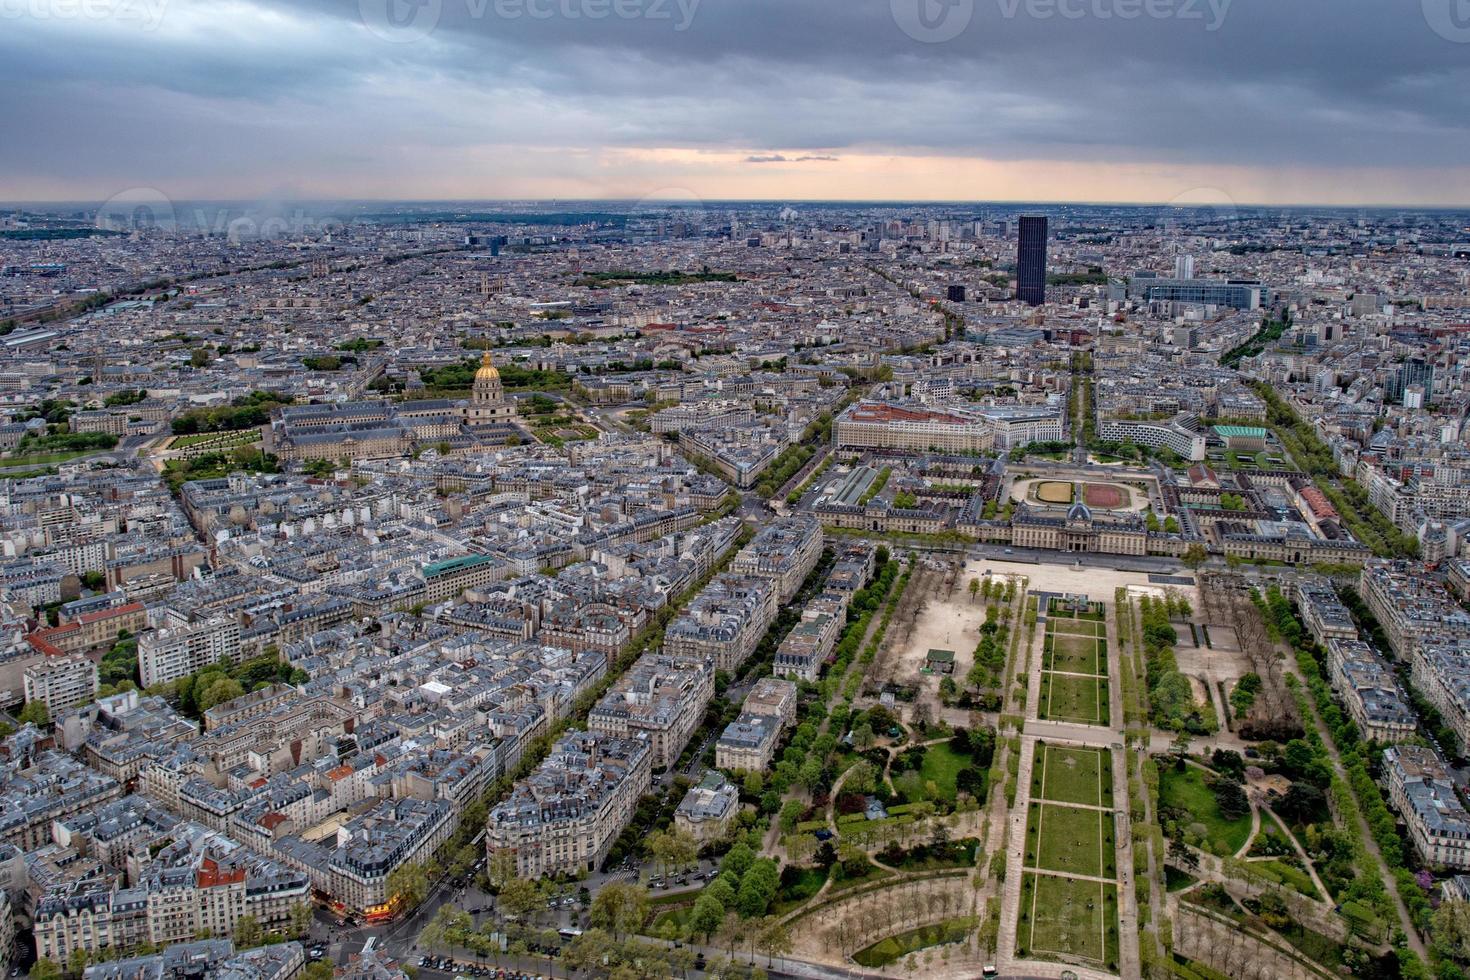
column 45, row 969
column 738, row 860
column 248, row 932
column 1231, row 799
column 773, row 938
column 1195, row 557
column 500, row 868
column 35, row 713
column 1450, row 929
column 861, row 778
column 705, row 918
column 791, row 812
column 408, row 885
column 519, row 897
column 721, row 891
column 222, row 690
column 1303, row 803
column 301, row 916
column 620, row 907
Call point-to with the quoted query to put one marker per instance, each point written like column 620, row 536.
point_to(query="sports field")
column 1054, row 493
column 1073, row 921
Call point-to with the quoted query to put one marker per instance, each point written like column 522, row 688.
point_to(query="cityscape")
column 843, row 573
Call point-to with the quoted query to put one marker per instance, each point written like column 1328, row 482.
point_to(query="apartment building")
column 1322, row 612
column 1369, row 691
column 60, row 682
column 565, row 816
column 52, row 787
column 725, row 623
column 1421, row 789
column 660, row 699
column 196, row 883
column 1411, row 606
column 773, row 697
column 785, row 552
column 448, row 579
column 804, row 651
column 1440, row 671
column 179, row 647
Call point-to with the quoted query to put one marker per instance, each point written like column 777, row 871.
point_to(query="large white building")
column 60, row 682
column 1174, row 435
column 883, row 425
column 179, row 647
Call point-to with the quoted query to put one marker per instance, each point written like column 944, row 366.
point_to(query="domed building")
column 488, row 405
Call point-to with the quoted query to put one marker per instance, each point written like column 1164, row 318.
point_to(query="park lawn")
column 1072, row 776
column 942, row 766
column 895, row 948
column 1068, row 698
column 1070, row 840
column 1074, row 655
column 1187, row 791
column 43, row 459
column 1076, row 627
column 678, row 918
column 798, row 885
column 242, row 437
column 1068, row 919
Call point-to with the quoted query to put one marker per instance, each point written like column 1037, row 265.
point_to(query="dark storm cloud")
column 313, row 86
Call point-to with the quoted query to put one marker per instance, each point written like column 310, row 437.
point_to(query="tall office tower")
column 1184, row 266
column 1031, row 260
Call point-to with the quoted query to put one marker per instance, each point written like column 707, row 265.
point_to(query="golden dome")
column 487, row 370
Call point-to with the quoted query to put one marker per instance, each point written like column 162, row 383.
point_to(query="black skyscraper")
column 1031, row 261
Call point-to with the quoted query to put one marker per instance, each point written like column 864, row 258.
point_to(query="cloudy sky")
column 1197, row 101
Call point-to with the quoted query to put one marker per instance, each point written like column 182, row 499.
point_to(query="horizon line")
column 696, row 203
